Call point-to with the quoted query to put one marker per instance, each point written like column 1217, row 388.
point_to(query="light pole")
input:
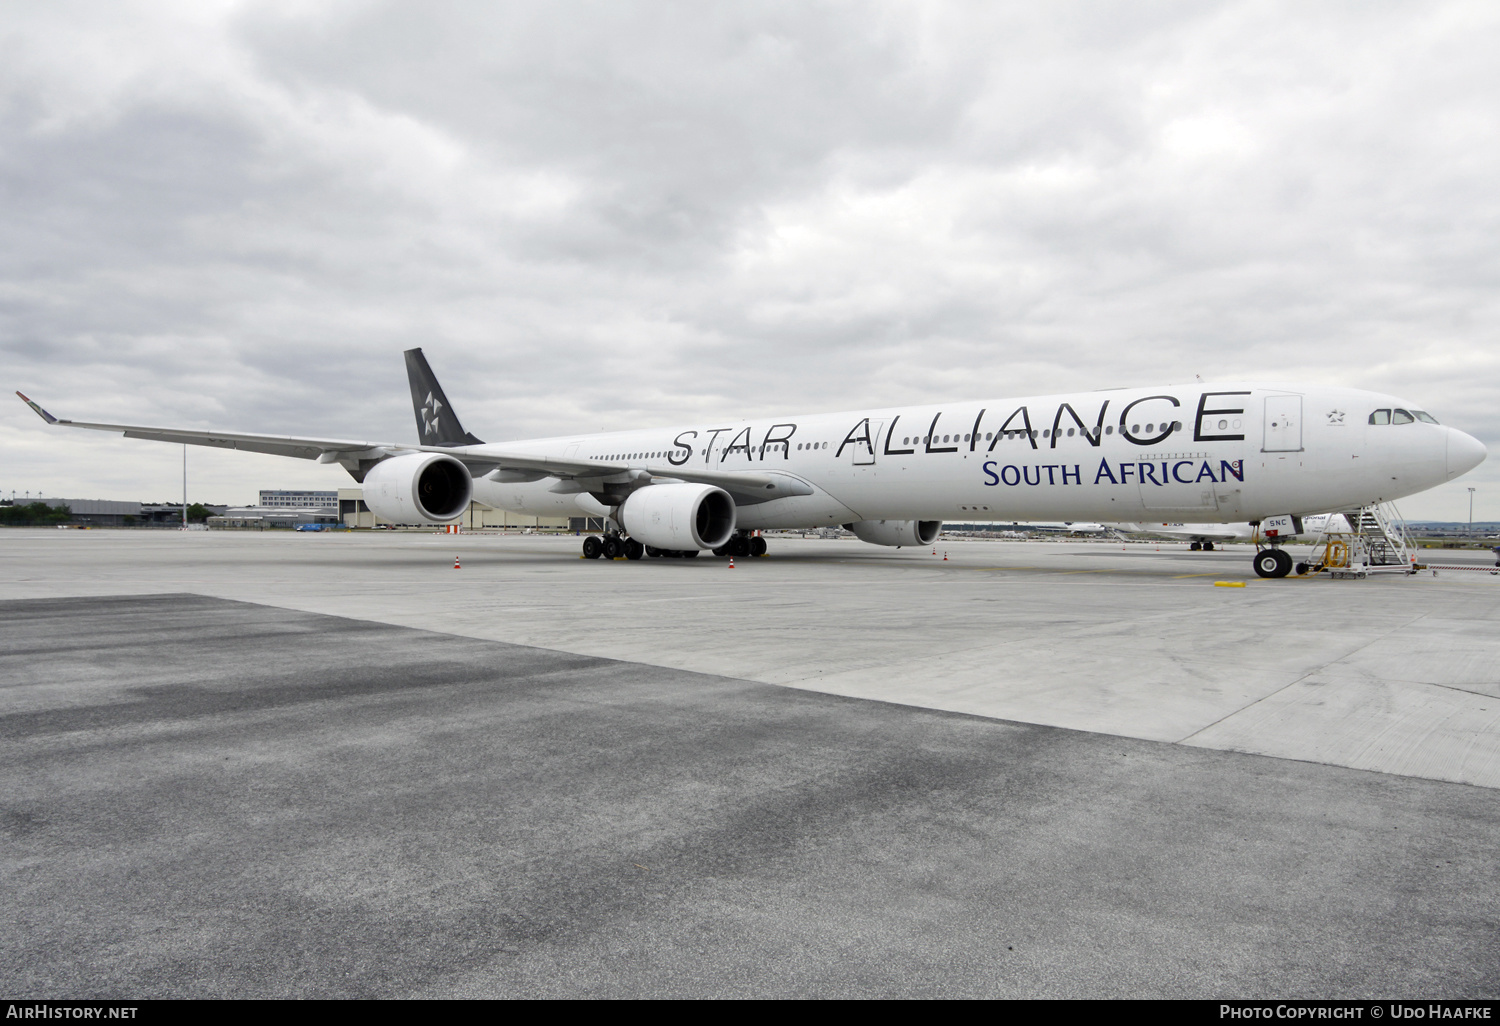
column 1471, row 511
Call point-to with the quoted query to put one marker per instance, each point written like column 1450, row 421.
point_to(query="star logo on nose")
column 430, row 415
column 1335, row 416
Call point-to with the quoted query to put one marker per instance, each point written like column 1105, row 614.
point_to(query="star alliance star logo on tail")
column 430, row 416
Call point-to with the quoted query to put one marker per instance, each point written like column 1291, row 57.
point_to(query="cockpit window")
column 1402, row 417
column 1425, row 418
column 1380, row 417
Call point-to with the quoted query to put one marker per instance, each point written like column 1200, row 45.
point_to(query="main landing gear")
column 1207, row 546
column 741, row 546
column 1272, row 563
column 654, row 553
column 614, row 545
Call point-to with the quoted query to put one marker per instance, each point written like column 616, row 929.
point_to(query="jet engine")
column 678, row 517
column 896, row 532
column 419, row 488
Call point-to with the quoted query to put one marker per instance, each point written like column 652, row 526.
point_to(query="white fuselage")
column 1201, row 453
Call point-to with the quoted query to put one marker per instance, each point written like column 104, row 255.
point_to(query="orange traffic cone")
column 945, row 557
column 731, row 562
column 934, row 551
column 455, row 564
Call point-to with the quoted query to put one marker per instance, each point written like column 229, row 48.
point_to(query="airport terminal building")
column 352, row 512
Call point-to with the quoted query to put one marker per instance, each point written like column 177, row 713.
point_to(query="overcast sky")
column 597, row 216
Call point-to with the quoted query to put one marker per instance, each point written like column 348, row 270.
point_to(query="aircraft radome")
column 1220, row 453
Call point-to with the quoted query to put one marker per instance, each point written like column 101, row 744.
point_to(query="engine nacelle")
column 419, row 488
column 896, row 532
column 678, row 516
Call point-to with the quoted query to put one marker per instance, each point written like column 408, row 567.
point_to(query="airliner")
column 1220, row 453
column 1203, row 536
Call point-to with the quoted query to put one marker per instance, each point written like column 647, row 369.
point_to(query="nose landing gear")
column 1272, row 563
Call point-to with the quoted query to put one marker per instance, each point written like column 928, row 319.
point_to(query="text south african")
column 1138, row 472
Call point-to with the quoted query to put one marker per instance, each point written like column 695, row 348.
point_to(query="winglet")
column 39, row 411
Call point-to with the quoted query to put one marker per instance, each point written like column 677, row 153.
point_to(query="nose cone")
column 1465, row 452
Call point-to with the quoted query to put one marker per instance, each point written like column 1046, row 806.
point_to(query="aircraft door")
column 1283, row 424
column 860, row 450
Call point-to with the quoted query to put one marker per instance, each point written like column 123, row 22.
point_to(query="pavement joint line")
column 1310, row 673
column 1102, row 570
column 1449, row 687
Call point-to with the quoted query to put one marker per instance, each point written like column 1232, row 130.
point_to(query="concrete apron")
column 1398, row 675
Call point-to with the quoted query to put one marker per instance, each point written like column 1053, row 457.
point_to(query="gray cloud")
column 595, row 215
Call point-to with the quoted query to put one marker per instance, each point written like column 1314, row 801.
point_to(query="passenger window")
column 1402, row 417
column 1380, row 417
column 1425, row 418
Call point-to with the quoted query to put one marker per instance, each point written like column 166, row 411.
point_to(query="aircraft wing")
column 276, row 445
column 746, row 486
column 590, row 475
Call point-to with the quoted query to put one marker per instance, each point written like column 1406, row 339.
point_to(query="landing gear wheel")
column 613, row 548
column 634, row 549
column 593, row 548
column 721, row 551
column 653, row 551
column 1301, row 569
column 1208, row 546
column 1195, row 546
column 1272, row 563
column 738, row 547
column 757, row 546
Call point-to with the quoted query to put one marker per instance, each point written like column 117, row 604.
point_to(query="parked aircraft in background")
column 1060, row 527
column 1230, row 453
column 1205, row 536
column 1201, row 536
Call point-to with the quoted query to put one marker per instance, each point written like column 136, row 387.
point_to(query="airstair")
column 1361, row 542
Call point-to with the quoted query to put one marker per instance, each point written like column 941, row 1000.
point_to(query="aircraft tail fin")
column 437, row 424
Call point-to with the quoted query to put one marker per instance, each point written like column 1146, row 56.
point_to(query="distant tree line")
column 40, row 514
column 37, row 513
